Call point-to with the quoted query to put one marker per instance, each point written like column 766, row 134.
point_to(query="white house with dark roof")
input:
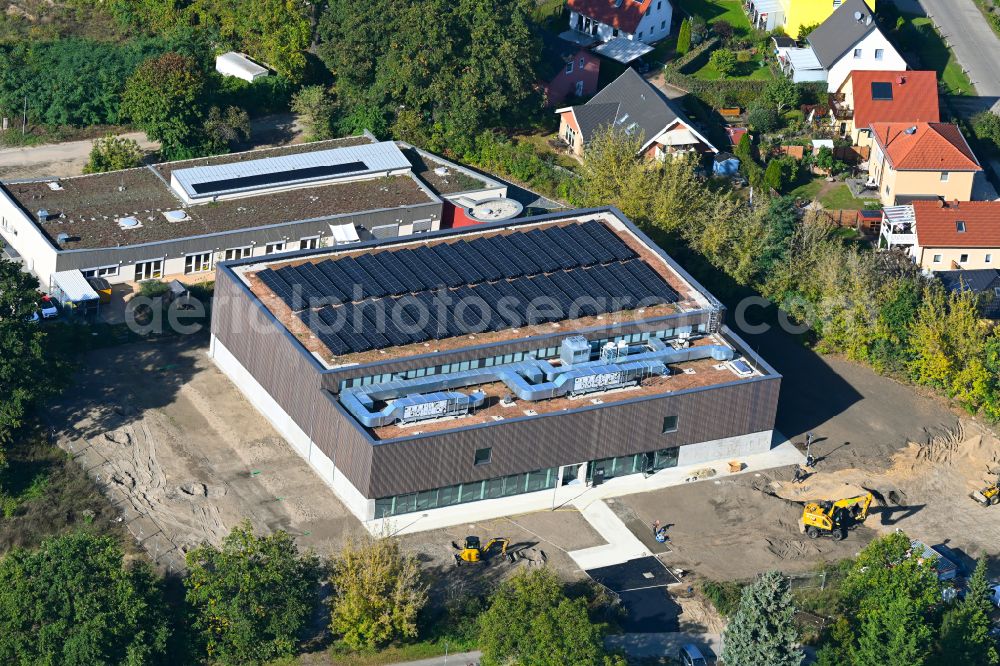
column 633, row 105
column 846, row 42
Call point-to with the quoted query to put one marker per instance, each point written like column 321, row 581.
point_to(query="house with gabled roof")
column 633, row 105
column 566, row 69
column 849, row 40
column 868, row 97
column 941, row 235
column 921, row 160
column 645, row 21
column 791, row 15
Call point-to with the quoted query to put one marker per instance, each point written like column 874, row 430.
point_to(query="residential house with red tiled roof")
column 919, row 161
column 868, row 97
column 643, row 21
column 949, row 235
column 566, row 69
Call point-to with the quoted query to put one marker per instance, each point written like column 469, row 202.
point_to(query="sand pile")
column 948, row 468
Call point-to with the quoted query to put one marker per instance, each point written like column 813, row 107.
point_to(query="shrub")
column 724, row 595
column 113, row 153
column 723, row 60
column 763, row 119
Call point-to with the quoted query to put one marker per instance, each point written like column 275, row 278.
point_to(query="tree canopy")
column 763, row 629
column 531, row 621
column 377, row 593
column 163, row 97
column 29, row 371
column 74, row 601
column 440, row 71
column 251, row 598
column 112, row 153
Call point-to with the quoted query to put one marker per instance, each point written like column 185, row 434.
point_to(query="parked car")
column 49, row 307
column 995, row 598
column 690, row 655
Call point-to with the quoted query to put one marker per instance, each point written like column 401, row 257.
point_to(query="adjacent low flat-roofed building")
column 240, row 66
column 477, row 364
column 180, row 218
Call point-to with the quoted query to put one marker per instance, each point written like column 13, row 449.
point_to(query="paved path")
column 648, row 646
column 968, row 34
column 621, row 545
column 459, row 659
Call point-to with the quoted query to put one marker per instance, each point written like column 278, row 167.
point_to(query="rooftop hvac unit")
column 574, row 349
column 62, row 238
column 43, row 215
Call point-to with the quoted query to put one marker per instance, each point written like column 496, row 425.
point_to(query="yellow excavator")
column 473, row 552
column 835, row 517
column 990, row 495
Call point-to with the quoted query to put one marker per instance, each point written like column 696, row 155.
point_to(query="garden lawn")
column 744, row 70
column 918, row 36
column 717, row 10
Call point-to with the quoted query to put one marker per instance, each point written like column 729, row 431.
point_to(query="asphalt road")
column 975, row 44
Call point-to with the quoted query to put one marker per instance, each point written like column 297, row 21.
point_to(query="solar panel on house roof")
column 582, row 238
column 562, row 238
column 605, row 238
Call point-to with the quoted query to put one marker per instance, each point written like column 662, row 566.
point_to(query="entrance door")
column 149, row 270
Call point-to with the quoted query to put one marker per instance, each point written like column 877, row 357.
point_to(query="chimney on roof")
column 911, row 130
column 954, row 204
column 900, row 80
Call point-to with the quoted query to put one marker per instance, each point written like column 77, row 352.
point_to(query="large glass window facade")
column 504, row 486
column 646, row 463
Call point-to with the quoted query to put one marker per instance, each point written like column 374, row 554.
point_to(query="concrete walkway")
column 621, row 545
column 647, row 646
column 457, row 659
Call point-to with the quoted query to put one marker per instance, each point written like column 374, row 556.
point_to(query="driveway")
column 968, row 34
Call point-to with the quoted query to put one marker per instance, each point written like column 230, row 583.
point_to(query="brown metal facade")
column 302, row 387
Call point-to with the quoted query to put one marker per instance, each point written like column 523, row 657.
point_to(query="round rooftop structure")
column 494, row 210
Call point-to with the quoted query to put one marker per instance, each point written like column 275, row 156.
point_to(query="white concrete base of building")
column 757, row 451
column 352, row 498
column 778, row 452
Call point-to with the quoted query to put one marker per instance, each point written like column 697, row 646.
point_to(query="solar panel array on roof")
column 411, row 295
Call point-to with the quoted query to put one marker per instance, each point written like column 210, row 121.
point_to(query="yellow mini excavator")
column 835, row 517
column 473, row 552
column 990, row 495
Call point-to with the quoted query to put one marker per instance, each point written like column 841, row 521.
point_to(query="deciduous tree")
column 30, row 371
column 164, row 98
column 314, row 107
column 74, row 601
column 252, row 597
column 377, row 593
column 531, row 621
column 724, row 61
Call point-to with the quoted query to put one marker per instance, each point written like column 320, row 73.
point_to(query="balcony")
column 838, row 107
column 898, row 227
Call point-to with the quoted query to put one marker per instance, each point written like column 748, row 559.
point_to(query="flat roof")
column 445, row 178
column 341, row 162
column 137, row 206
column 576, row 273
column 683, row 376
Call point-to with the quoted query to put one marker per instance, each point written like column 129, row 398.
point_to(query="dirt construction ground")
column 183, row 455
